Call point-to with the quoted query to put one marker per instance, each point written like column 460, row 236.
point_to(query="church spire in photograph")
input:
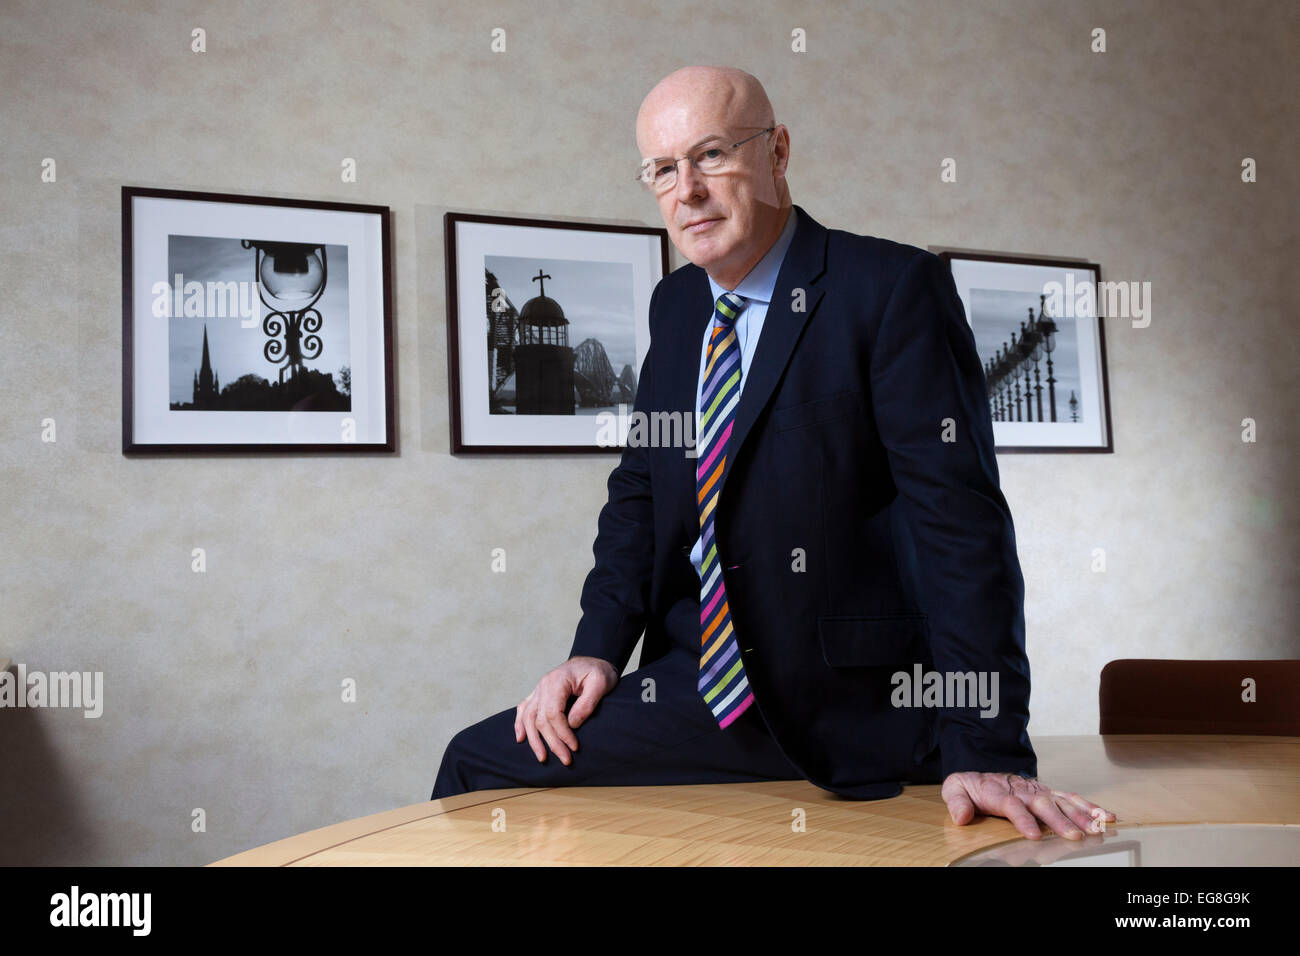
column 205, row 388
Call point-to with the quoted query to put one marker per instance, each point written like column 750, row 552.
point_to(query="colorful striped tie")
column 723, row 683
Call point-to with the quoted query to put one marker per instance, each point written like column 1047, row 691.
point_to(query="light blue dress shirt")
column 757, row 287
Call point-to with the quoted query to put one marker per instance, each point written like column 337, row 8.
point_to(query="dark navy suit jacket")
column 856, row 541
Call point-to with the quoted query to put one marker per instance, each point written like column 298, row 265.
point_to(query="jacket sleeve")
column 931, row 410
column 616, row 594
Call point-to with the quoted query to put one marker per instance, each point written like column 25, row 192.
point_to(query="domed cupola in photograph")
column 543, row 358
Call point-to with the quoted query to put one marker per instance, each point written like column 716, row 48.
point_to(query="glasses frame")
column 649, row 184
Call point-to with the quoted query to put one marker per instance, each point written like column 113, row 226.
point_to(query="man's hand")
column 1012, row 796
column 541, row 714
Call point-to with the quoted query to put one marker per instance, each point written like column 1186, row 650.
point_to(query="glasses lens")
column 711, row 159
column 657, row 177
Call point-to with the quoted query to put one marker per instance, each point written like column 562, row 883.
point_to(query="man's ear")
column 781, row 154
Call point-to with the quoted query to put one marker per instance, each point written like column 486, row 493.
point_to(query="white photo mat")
column 154, row 219
column 474, row 242
column 1033, row 279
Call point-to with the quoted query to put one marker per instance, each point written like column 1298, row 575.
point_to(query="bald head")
column 726, row 220
column 693, row 91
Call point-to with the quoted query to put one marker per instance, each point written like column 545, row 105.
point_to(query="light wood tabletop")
column 1143, row 779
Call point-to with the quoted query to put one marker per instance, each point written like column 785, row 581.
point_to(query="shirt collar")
column 760, row 283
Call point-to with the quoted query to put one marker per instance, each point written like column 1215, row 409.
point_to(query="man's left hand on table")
column 1022, row 801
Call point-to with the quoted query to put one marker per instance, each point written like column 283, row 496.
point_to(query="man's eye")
column 712, row 153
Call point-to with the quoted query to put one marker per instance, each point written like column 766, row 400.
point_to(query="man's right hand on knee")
column 541, row 715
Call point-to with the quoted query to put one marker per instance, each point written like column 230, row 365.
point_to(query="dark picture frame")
column 553, row 374
column 295, row 352
column 1043, row 348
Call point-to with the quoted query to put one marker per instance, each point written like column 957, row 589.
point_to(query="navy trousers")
column 628, row 741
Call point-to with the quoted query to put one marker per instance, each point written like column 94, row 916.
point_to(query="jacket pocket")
column 880, row 641
column 826, row 409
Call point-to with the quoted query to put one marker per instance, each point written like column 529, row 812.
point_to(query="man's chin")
column 701, row 254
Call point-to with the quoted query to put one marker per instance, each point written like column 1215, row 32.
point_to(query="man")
column 839, row 522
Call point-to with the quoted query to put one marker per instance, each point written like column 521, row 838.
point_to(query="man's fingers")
column 523, row 715
column 534, row 738
column 583, row 707
column 960, row 807
column 1020, row 818
column 1076, row 808
column 1044, row 806
column 542, row 714
column 1086, row 805
column 1022, row 802
column 1082, row 821
column 553, row 724
column 549, row 726
column 559, row 723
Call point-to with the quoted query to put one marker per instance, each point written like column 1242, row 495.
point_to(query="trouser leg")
column 627, row 741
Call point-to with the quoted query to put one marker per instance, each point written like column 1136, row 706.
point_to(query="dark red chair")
column 1200, row 697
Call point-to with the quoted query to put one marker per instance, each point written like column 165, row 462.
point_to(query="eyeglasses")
column 660, row 175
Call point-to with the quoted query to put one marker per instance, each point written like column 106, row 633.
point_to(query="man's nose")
column 690, row 181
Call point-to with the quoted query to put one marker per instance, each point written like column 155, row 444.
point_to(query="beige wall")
column 222, row 689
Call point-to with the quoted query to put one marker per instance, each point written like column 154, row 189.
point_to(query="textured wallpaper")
column 221, row 699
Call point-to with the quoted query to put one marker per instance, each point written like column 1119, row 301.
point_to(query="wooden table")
column 1143, row 779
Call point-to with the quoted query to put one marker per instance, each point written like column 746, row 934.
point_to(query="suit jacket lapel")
column 686, row 384
column 803, row 266
column 805, row 261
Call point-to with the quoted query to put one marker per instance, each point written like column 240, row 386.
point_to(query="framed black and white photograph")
column 1043, row 348
column 547, row 328
column 254, row 324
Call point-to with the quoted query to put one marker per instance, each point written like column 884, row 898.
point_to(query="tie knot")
column 728, row 307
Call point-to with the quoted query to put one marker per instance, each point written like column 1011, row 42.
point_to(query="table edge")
column 294, row 849
column 302, row 845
